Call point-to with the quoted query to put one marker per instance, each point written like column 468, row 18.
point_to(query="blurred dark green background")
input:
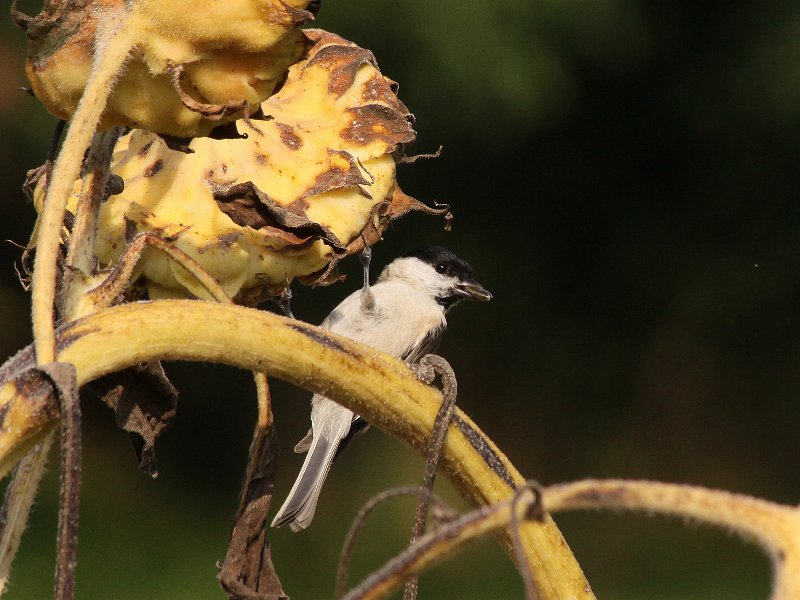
column 624, row 179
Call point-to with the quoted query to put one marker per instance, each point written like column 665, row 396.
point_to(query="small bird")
column 403, row 314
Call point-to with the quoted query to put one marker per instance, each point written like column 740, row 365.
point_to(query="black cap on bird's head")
column 448, row 264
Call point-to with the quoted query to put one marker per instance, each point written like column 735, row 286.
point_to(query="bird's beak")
column 473, row 289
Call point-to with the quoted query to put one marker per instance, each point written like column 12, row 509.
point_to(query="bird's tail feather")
column 298, row 509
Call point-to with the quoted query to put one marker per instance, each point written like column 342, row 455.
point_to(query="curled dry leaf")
column 309, row 182
column 247, row 572
column 144, row 402
column 192, row 66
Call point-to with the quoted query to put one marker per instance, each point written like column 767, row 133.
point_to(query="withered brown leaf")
column 145, row 402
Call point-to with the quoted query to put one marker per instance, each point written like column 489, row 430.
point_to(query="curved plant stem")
column 261, row 432
column 62, row 376
column 380, row 387
column 361, row 518
column 775, row 527
column 442, row 543
column 440, row 366
column 115, row 42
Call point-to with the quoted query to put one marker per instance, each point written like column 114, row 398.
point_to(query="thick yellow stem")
column 378, row 386
column 775, row 527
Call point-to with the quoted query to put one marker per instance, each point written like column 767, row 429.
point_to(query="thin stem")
column 20, row 494
column 361, row 519
column 64, row 381
column 107, row 292
column 433, row 457
column 80, row 250
column 114, row 45
column 247, row 571
column 260, row 434
column 441, row 544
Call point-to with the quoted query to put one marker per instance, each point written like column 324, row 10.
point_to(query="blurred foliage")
column 623, row 176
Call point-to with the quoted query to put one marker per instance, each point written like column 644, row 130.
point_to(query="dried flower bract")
column 309, row 181
column 192, row 65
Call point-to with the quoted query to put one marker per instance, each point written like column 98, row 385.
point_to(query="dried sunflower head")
column 191, row 67
column 309, row 181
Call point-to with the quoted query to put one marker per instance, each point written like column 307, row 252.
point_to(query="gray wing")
column 425, row 344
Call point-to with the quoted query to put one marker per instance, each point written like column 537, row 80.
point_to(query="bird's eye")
column 441, row 268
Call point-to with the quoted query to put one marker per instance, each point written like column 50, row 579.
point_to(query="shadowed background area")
column 623, row 177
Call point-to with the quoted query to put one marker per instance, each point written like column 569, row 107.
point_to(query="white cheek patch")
column 442, row 286
column 421, row 276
